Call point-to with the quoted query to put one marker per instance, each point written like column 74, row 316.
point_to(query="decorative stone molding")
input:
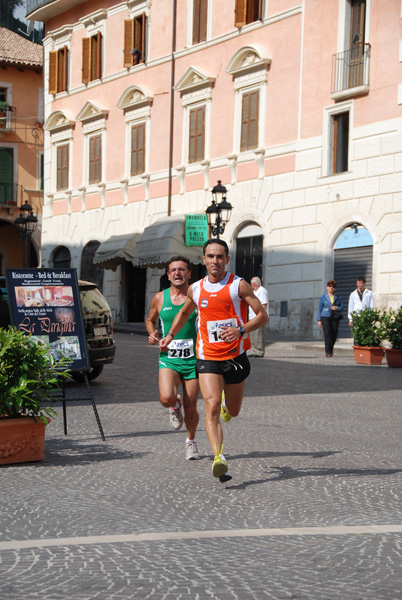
column 135, row 97
column 259, row 155
column 181, row 176
column 124, row 189
column 247, row 59
column 91, row 111
column 194, row 79
column 102, row 194
column 59, row 121
column 94, row 18
column 146, row 180
column 232, row 160
column 205, row 165
column 82, row 191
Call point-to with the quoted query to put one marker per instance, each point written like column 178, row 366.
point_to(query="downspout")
column 172, row 78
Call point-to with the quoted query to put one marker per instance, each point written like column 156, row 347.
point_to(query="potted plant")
column 392, row 321
column 28, row 376
column 368, row 333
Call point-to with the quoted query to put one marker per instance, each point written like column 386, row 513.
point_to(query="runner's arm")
column 151, row 322
column 179, row 321
column 261, row 315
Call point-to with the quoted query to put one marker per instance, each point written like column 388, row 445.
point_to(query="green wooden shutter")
column 6, row 175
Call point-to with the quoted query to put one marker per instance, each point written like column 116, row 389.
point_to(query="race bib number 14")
column 214, row 329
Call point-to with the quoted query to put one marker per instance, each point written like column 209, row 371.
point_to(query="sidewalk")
column 344, row 346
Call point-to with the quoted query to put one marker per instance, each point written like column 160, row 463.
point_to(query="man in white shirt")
column 359, row 299
column 257, row 337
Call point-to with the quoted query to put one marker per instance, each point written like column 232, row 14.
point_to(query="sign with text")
column 46, row 303
column 196, row 230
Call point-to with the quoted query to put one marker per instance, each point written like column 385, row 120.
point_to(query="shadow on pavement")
column 286, row 473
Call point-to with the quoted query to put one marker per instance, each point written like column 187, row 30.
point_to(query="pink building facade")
column 295, row 106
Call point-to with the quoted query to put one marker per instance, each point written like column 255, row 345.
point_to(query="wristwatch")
column 241, row 330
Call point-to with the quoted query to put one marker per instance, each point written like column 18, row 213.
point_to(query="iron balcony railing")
column 7, row 119
column 8, row 194
column 351, row 69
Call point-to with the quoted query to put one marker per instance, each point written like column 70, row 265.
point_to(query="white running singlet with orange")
column 219, row 305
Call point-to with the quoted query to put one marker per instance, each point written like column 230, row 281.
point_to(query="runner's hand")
column 153, row 338
column 164, row 343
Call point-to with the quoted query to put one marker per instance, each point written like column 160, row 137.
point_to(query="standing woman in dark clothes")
column 329, row 314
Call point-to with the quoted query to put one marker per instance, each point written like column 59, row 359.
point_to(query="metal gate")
column 249, row 257
column 349, row 264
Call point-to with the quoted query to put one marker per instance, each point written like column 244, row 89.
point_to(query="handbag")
column 336, row 315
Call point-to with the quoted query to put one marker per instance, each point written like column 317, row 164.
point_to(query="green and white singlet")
column 180, row 356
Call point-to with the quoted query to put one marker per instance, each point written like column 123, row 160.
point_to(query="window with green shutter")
column 7, row 189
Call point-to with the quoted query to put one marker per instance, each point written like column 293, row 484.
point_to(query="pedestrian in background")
column 329, row 314
column 359, row 299
column 257, row 337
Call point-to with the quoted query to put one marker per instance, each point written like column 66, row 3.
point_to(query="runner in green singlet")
column 177, row 364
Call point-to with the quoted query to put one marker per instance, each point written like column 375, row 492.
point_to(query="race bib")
column 181, row 349
column 214, row 329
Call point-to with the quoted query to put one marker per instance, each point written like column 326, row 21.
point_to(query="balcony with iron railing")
column 7, row 119
column 351, row 72
column 9, row 193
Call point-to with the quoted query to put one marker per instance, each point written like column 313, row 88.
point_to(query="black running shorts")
column 234, row 370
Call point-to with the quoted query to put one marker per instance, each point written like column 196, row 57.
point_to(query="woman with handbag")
column 329, row 314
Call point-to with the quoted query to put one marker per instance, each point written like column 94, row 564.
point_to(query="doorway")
column 249, row 252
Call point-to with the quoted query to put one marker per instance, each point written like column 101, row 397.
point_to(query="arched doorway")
column 249, row 254
column 89, row 271
column 353, row 257
column 61, row 258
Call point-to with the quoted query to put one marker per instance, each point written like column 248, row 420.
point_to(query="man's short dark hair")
column 213, row 241
column 180, row 258
column 361, row 278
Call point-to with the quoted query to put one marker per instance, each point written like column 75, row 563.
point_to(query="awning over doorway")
column 116, row 250
column 162, row 240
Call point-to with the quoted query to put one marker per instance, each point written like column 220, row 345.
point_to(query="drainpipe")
column 172, row 77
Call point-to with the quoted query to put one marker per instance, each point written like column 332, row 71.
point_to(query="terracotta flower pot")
column 368, row 355
column 394, row 357
column 21, row 440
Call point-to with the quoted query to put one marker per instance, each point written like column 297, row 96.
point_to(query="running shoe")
column 224, row 412
column 192, row 451
column 176, row 416
column 219, row 466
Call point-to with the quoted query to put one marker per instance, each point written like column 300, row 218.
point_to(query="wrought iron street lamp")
column 26, row 223
column 219, row 212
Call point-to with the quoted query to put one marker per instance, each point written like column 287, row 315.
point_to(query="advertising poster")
column 46, row 304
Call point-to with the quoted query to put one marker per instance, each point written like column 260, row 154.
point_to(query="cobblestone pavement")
column 313, row 510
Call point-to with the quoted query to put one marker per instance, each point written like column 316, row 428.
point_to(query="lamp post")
column 218, row 213
column 26, row 223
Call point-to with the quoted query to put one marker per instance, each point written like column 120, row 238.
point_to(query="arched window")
column 89, row 271
column 62, row 258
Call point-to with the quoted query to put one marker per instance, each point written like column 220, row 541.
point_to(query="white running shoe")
column 192, row 451
column 176, row 416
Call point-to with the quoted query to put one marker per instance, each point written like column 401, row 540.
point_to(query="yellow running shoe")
column 224, row 412
column 219, row 466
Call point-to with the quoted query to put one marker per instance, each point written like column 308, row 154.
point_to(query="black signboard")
column 46, row 304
